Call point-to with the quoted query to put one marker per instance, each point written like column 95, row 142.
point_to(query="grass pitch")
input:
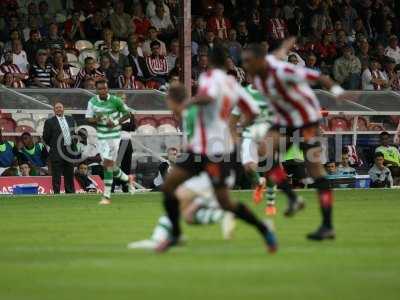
column 70, row 248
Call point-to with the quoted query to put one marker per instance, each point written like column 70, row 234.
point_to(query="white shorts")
column 249, row 151
column 108, row 149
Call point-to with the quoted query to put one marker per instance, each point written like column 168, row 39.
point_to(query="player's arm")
column 90, row 116
column 247, row 107
column 233, row 121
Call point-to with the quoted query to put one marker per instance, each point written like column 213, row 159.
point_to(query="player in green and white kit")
column 251, row 135
column 107, row 112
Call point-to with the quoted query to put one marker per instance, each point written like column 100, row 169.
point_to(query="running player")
column 107, row 113
column 251, row 136
column 210, row 147
column 298, row 112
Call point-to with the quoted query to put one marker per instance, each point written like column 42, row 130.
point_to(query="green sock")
column 208, row 215
column 270, row 191
column 117, row 173
column 108, row 180
column 254, row 177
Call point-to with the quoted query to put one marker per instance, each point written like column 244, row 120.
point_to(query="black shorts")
column 218, row 167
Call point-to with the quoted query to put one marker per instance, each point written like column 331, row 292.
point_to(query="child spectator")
column 379, row 174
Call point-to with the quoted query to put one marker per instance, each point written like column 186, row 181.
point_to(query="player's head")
column 253, row 58
column 176, row 98
column 83, row 169
column 218, row 57
column 172, row 153
column 27, row 139
column 102, row 88
column 385, row 138
column 379, row 159
column 59, row 109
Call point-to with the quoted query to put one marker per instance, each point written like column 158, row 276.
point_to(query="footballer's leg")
column 108, row 180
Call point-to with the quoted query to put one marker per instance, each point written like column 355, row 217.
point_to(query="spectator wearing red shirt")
column 219, row 24
column 74, row 29
column 276, row 27
column 326, row 49
column 140, row 21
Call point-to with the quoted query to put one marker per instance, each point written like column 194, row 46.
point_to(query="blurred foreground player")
column 298, row 114
column 210, row 146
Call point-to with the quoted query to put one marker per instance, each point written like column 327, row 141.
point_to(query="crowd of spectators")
column 133, row 43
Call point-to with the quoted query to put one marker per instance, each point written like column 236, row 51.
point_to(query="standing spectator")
column 94, row 26
column 137, row 62
column 61, row 74
column 380, row 175
column 151, row 8
column 393, row 50
column 161, row 21
column 40, row 72
column 120, row 21
column 199, row 30
column 140, row 22
column 74, row 28
column 173, row 53
column 347, row 69
column 54, row 41
column 157, row 63
column 57, row 134
column 34, row 153
column 392, row 75
column 33, row 45
column 8, row 154
column 127, row 80
column 88, row 71
column 118, row 60
column 243, row 36
column 19, row 56
column 344, row 168
column 108, row 71
column 219, row 24
column 153, row 36
column 276, row 27
column 234, row 47
column 9, row 67
column 373, row 79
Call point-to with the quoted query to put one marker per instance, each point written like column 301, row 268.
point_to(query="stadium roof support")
column 185, row 43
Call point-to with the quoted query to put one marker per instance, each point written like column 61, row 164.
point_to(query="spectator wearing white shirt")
column 173, row 53
column 161, row 21
column 153, row 36
column 151, row 8
column 373, row 79
column 380, row 175
column 19, row 56
column 393, row 50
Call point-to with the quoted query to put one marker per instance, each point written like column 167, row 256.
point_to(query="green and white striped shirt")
column 113, row 108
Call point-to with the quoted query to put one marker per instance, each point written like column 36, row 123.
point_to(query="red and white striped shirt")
column 83, row 75
column 157, row 65
column 277, row 28
column 16, row 84
column 67, row 75
column 13, row 69
column 129, row 83
column 288, row 88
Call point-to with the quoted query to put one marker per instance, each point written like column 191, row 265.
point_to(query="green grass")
column 70, row 248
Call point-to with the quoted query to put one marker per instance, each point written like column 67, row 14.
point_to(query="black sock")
column 242, row 212
column 171, row 206
column 325, row 196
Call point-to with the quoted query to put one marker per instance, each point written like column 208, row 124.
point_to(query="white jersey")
column 207, row 125
column 288, row 88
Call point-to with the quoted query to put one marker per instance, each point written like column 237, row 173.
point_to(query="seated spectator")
column 173, row 78
column 293, row 59
column 161, row 21
column 54, row 41
column 117, row 59
column 8, row 154
column 138, row 62
column 127, row 80
column 9, row 67
column 373, row 79
column 390, row 153
column 355, row 159
column 321, row 20
column 84, row 180
column 157, row 63
column 31, row 26
column 210, row 40
column 19, row 56
column 153, row 36
column 88, row 71
column 331, row 170
column 234, row 47
column 235, row 71
column 342, row 40
column 344, row 168
column 89, row 84
column 243, row 36
column 384, row 36
column 25, row 170
column 364, row 54
column 200, row 68
column 61, row 76
column 219, row 24
column 276, row 27
column 393, row 50
column 105, row 45
column 151, row 8
column 12, row 82
column 348, row 17
column 347, row 69
column 173, row 53
column 33, row 45
column 120, row 21
column 139, row 21
column 110, row 73
column 45, row 16
column 89, row 154
column 326, row 49
column 199, row 30
column 379, row 174
column 94, row 26
column 392, row 75
column 133, row 39
column 311, row 62
column 165, row 167
column 35, row 154
column 74, row 28
column 14, row 36
column 40, row 72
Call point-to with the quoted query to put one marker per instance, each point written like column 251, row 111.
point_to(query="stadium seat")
column 338, row 124
column 97, row 44
column 7, row 125
column 71, row 57
column 83, row 45
column 168, row 120
column 166, row 129
column 147, row 121
column 23, row 128
column 26, row 122
column 123, row 45
column 152, row 84
column 87, row 53
column 146, row 129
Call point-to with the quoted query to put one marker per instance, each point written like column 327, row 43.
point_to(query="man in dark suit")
column 138, row 63
column 57, row 134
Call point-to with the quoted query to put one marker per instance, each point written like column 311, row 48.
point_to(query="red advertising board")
column 44, row 182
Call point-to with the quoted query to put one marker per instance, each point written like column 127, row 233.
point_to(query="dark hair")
column 87, row 59
column 25, row 134
column 218, row 56
column 378, row 154
column 177, row 93
column 155, row 43
column 172, row 148
column 152, row 27
column 330, row 162
column 384, row 133
column 82, row 163
column 101, row 81
column 257, row 50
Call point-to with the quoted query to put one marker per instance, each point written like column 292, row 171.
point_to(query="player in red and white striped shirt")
column 298, row 113
column 127, row 80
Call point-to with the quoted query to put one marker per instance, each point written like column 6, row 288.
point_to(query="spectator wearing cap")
column 54, row 41
column 153, row 36
column 219, row 24
column 157, row 63
column 35, row 154
column 61, row 76
column 9, row 67
column 139, row 21
column 373, row 79
column 393, row 50
column 33, row 45
column 118, row 60
column 347, row 70
column 40, row 72
column 392, row 74
column 120, row 21
column 88, row 71
column 19, row 56
column 74, row 28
